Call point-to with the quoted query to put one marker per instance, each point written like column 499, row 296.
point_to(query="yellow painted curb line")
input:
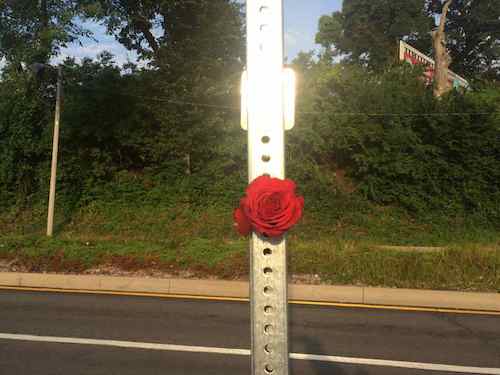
column 240, row 299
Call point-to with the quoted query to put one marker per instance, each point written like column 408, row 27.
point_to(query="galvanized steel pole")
column 266, row 112
column 55, row 146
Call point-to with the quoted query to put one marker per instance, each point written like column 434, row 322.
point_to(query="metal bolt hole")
column 268, row 329
column 265, row 139
column 267, row 349
column 266, row 158
column 268, row 290
column 268, row 271
column 267, row 252
column 268, row 309
column 269, row 369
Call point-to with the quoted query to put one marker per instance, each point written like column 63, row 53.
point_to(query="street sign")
column 268, row 99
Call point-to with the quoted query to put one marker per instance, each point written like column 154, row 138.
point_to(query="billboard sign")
column 415, row 57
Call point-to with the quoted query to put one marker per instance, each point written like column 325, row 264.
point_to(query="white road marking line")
column 388, row 363
column 246, row 352
column 124, row 344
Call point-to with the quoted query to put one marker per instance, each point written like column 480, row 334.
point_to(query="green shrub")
column 402, row 146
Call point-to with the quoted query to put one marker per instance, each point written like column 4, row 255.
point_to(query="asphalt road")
column 423, row 337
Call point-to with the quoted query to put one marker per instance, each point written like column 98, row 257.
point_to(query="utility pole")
column 55, row 146
column 268, row 99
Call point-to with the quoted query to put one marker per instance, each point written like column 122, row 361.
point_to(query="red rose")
column 270, row 207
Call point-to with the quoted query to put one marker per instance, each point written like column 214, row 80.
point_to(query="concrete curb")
column 239, row 289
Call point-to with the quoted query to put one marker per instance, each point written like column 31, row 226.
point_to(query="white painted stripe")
column 246, row 352
column 387, row 363
column 124, row 344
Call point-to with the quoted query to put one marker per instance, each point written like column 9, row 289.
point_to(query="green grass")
column 167, row 228
column 465, row 267
column 461, row 267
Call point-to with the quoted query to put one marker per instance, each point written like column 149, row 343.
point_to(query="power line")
column 182, row 102
column 367, row 114
column 380, row 114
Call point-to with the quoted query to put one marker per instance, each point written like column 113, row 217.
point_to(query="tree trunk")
column 441, row 55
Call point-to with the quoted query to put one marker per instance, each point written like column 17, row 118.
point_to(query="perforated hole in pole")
column 264, row 10
column 269, row 369
column 268, row 329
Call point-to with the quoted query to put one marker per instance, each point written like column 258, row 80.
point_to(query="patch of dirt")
column 306, row 279
column 12, row 265
column 112, row 270
column 235, row 268
column 57, row 263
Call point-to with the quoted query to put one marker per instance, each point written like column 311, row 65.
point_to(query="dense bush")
column 113, row 121
column 24, row 139
column 402, row 146
column 398, row 144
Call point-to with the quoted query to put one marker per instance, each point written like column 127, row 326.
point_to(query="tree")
column 133, row 23
column 441, row 55
column 196, row 49
column 376, row 128
column 473, row 36
column 153, row 27
column 367, row 31
column 35, row 31
column 24, row 138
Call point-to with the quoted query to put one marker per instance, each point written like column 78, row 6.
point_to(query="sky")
column 301, row 25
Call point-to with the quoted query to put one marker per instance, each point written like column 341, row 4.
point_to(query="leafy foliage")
column 24, row 142
column 404, row 147
column 473, row 32
column 32, row 33
column 368, row 131
column 367, row 31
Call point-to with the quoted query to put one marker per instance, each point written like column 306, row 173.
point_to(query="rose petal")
column 296, row 213
column 270, row 207
column 261, row 182
column 243, row 225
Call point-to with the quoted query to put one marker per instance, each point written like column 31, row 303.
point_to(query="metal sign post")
column 267, row 110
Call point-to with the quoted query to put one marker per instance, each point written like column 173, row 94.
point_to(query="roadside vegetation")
column 153, row 161
column 173, row 230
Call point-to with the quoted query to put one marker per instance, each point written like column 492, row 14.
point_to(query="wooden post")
column 55, row 146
